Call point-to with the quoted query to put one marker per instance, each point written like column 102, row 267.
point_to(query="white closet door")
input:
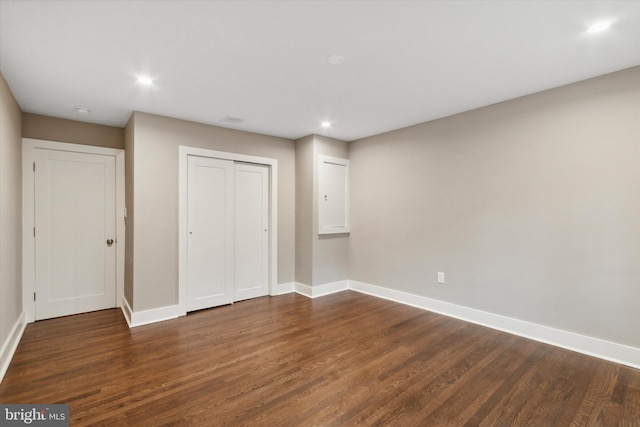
column 252, row 233
column 75, row 249
column 210, row 267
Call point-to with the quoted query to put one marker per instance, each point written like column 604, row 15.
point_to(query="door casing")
column 29, row 147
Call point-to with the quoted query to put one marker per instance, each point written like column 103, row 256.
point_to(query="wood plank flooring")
column 341, row 360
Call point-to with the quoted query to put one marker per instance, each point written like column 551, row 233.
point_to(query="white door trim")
column 183, row 153
column 29, row 147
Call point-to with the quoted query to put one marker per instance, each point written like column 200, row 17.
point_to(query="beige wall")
column 155, row 179
column 62, row 130
column 304, row 210
column 320, row 259
column 330, row 251
column 531, row 207
column 129, row 139
column 10, row 211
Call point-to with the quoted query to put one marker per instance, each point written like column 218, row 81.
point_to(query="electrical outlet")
column 440, row 277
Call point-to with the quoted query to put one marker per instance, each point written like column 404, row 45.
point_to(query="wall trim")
column 596, row 347
column 321, row 290
column 607, row 350
column 10, row 345
column 302, row 289
column 145, row 317
column 126, row 310
column 139, row 318
column 285, row 288
column 154, row 315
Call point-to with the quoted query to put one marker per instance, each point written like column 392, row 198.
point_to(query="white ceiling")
column 406, row 62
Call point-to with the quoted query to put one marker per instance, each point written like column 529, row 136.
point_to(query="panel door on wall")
column 228, row 237
column 210, row 251
column 333, row 192
column 252, row 235
column 75, row 252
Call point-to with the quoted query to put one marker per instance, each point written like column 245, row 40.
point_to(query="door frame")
column 29, row 147
column 183, row 153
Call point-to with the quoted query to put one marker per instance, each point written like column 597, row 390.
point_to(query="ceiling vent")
column 335, row 59
column 231, row 119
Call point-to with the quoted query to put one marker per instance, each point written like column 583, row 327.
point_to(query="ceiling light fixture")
column 598, row 27
column 145, row 80
column 325, row 124
column 83, row 111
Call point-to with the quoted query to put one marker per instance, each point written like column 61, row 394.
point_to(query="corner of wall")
column 129, row 147
column 10, row 345
column 329, row 252
column 12, row 318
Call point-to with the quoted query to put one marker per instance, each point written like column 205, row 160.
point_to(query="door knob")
column 109, row 242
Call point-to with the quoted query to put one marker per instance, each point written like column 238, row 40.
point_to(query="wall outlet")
column 440, row 277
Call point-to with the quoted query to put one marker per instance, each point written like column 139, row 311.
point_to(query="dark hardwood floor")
column 340, row 360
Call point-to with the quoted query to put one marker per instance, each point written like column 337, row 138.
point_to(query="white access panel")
column 252, row 231
column 210, row 265
column 75, row 230
column 333, row 192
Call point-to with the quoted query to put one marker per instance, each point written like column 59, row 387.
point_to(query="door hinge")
column 34, row 166
column 34, row 296
column 34, row 232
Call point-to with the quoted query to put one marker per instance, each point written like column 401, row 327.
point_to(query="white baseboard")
column 607, row 350
column 284, row 288
column 126, row 310
column 321, row 290
column 302, row 289
column 614, row 352
column 139, row 318
column 10, row 345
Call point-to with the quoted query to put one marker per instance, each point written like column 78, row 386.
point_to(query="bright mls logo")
column 36, row 415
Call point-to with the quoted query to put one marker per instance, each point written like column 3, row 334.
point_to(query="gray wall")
column 320, row 259
column 531, row 207
column 10, row 211
column 155, row 198
column 330, row 251
column 129, row 137
column 304, row 210
column 62, row 130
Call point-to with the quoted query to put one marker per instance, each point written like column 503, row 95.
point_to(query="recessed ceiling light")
column 599, row 27
column 335, row 59
column 325, row 124
column 83, row 111
column 145, row 80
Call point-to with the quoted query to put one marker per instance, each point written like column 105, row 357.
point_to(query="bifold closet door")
column 210, row 204
column 228, row 232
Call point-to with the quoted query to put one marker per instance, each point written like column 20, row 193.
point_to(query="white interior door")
column 210, row 252
column 252, row 233
column 75, row 251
